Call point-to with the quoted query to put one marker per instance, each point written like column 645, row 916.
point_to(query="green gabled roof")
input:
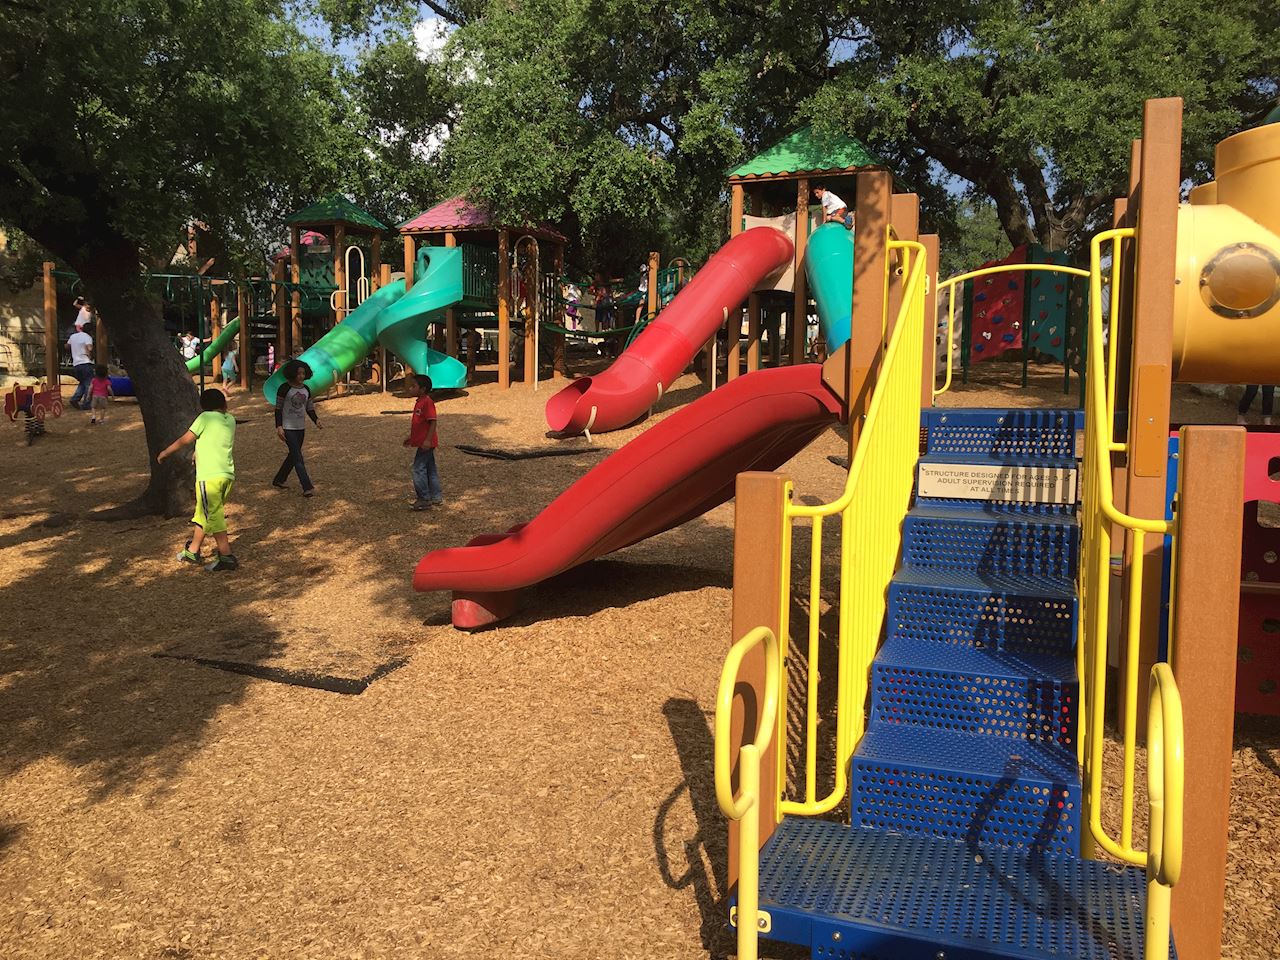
column 807, row 152
column 335, row 208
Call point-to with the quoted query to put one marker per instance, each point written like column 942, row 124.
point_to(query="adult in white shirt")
column 190, row 343
column 834, row 210
column 81, row 346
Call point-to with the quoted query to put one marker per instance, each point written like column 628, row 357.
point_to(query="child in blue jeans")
column 424, row 438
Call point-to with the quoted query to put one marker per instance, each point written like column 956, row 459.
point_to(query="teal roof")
column 805, row 151
column 335, row 208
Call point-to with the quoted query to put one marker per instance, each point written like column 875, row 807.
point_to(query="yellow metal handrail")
column 1097, row 515
column 1165, row 778
column 745, row 807
column 876, row 497
column 949, row 286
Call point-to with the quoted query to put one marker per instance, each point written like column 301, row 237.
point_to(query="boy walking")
column 214, row 434
column 424, row 438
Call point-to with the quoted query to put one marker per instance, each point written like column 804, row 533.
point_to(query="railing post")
column 1206, row 610
column 929, row 358
column 758, row 575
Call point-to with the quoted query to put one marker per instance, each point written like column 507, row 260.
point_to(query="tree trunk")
column 166, row 396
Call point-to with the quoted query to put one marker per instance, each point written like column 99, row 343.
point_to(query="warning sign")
column 1015, row 484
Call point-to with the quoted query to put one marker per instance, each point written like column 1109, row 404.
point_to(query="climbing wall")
column 996, row 309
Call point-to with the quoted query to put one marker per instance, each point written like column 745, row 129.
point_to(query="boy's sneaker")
column 279, row 486
column 222, row 562
column 438, row 502
column 421, row 505
column 186, row 556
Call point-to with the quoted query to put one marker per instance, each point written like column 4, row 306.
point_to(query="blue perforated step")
column 1027, row 613
column 1016, row 436
column 857, row 894
column 987, row 691
column 986, row 790
column 989, row 539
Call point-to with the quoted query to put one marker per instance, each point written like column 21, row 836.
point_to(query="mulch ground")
column 540, row 790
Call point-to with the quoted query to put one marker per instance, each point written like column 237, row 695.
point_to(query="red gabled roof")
column 459, row 213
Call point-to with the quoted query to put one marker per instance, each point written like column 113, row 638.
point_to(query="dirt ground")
column 540, row 790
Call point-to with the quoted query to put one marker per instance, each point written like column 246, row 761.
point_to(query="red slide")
column 634, row 382
column 675, row 471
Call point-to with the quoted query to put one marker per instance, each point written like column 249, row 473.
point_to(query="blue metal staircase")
column 965, row 794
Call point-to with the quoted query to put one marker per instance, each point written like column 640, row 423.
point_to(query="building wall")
column 21, row 328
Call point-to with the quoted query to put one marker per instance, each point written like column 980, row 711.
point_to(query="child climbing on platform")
column 214, row 434
column 424, row 438
column 834, row 210
column 293, row 406
column 100, row 394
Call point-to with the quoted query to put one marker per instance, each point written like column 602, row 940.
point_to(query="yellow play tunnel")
column 1227, row 305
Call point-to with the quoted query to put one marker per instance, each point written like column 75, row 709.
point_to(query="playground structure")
column 491, row 296
column 969, row 630
column 1031, row 301
column 971, row 686
column 35, row 404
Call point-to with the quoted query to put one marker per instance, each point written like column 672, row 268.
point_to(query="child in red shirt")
column 423, row 437
column 100, row 393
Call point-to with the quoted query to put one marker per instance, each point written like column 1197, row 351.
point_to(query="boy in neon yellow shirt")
column 214, row 434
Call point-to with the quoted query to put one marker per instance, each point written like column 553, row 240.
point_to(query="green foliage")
column 978, row 239
column 1036, row 104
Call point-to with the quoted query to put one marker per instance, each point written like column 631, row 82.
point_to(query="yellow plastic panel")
column 1226, row 325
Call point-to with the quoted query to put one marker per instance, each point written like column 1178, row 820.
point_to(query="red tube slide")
column 633, row 383
column 675, row 471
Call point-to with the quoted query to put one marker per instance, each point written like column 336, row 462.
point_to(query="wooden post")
column 1151, row 352
column 384, row 278
column 531, row 318
column 753, row 305
column 733, row 341
column 654, row 303
column 758, row 536
column 375, row 270
column 559, row 365
column 904, row 217
column 800, row 308
column 504, row 310
column 295, row 263
column 52, row 378
column 928, row 374
column 101, row 347
column 410, row 251
column 244, row 310
column 1206, row 608
column 341, row 305
column 280, row 307
column 450, row 315
column 870, row 250
column 215, row 328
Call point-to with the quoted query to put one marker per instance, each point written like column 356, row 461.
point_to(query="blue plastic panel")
column 1029, row 614
column 1010, row 435
column 912, row 898
column 983, row 790
column 955, row 538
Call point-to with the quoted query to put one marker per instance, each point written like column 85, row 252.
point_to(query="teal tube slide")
column 215, row 347
column 395, row 320
column 828, row 262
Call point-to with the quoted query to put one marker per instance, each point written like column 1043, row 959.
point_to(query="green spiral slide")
column 396, row 320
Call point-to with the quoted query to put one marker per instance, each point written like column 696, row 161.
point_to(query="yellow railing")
column 1098, row 512
column 1165, row 776
column 876, row 497
column 745, row 806
column 949, row 287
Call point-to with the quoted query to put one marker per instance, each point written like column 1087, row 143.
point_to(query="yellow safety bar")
column 745, row 807
column 949, row 286
column 876, row 497
column 1098, row 514
column 1165, row 779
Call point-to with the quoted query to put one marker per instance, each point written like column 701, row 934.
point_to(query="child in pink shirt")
column 99, row 391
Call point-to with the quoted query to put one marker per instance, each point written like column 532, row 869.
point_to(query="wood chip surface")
column 541, row 790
